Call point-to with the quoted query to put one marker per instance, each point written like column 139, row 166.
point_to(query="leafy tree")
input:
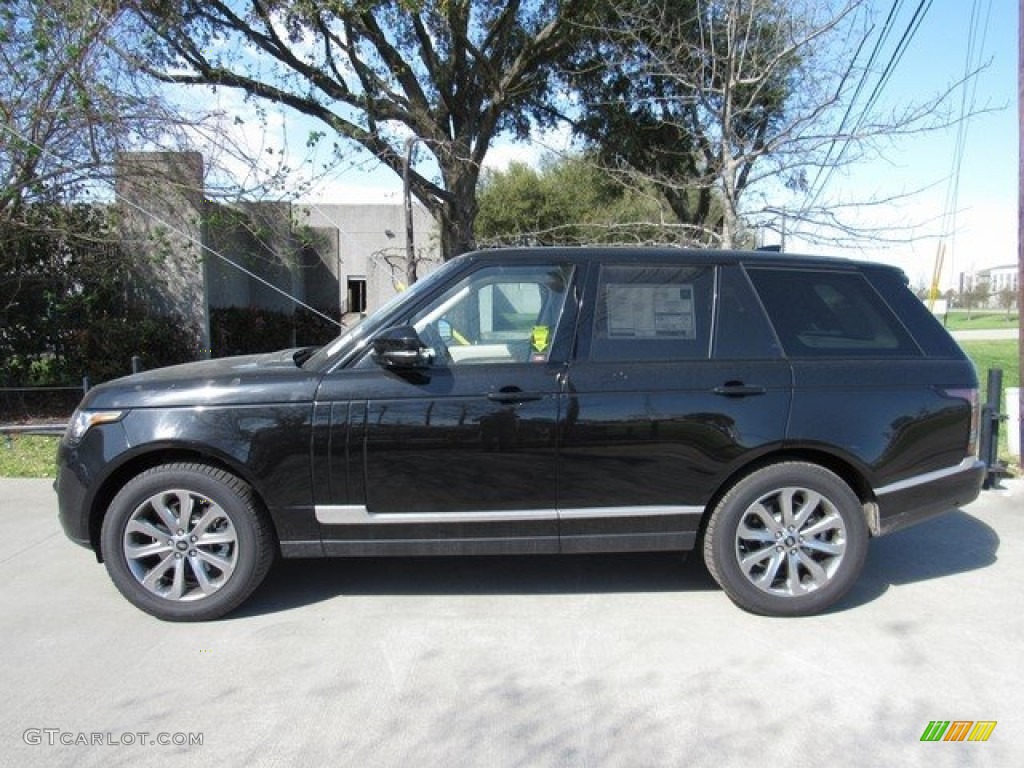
column 1007, row 298
column 447, row 75
column 570, row 201
column 975, row 297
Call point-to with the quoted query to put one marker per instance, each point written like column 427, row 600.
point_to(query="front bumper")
column 81, row 469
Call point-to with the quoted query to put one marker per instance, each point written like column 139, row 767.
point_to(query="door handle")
column 738, row 389
column 513, row 395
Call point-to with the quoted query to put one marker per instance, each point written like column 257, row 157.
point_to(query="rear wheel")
column 787, row 540
column 186, row 542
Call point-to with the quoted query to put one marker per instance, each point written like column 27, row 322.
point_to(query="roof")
column 690, row 255
column 990, row 270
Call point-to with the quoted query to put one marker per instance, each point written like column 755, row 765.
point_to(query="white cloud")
column 504, row 152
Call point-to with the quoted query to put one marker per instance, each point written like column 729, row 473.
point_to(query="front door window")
column 496, row 315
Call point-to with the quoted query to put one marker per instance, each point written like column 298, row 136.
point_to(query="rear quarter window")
column 922, row 324
column 822, row 314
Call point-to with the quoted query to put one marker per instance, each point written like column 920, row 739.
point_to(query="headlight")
column 82, row 421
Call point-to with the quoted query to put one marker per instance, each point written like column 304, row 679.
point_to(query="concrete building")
column 161, row 210
column 997, row 279
column 198, row 255
column 369, row 245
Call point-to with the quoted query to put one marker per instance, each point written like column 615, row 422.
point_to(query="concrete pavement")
column 995, row 334
column 576, row 661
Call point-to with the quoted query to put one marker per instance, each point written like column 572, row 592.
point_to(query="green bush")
column 68, row 310
column 246, row 330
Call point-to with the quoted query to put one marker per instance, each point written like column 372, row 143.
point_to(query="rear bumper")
column 915, row 499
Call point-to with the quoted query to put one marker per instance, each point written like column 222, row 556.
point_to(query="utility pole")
column 410, row 248
column 1020, row 215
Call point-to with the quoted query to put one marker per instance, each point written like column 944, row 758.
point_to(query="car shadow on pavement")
column 293, row 583
column 950, row 544
column 943, row 546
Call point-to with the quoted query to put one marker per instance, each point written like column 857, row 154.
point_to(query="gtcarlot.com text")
column 57, row 737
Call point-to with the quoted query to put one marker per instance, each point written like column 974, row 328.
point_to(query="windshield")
column 356, row 335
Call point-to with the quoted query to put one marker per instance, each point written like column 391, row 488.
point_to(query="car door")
column 660, row 408
column 457, row 454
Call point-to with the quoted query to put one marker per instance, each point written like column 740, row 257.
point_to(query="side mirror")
column 401, row 347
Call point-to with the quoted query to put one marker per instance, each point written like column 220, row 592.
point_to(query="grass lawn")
column 980, row 321
column 995, row 354
column 28, row 456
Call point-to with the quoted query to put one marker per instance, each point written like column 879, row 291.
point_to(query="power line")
column 972, row 60
column 894, row 59
column 879, row 42
column 901, row 48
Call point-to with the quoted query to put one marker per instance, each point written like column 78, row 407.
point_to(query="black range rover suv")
column 774, row 411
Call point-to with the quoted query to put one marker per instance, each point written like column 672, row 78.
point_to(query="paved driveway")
column 575, row 661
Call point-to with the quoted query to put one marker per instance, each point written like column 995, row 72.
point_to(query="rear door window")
column 653, row 312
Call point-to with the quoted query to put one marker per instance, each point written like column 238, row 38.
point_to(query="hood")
column 245, row 380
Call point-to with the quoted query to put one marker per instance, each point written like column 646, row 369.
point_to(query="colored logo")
column 958, row 730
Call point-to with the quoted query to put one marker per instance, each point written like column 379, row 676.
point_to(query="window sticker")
column 650, row 311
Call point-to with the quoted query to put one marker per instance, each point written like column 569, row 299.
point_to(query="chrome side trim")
column 967, row 465
column 589, row 513
column 358, row 514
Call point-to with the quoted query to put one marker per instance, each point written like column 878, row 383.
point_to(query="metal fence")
column 38, row 410
column 35, row 404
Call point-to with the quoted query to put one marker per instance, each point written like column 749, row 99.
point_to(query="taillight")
column 971, row 396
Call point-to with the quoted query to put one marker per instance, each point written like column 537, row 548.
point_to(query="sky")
column 983, row 231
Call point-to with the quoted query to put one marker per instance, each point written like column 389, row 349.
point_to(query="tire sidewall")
column 223, row 489
column 732, row 509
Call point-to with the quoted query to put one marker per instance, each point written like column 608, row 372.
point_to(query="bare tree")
column 68, row 102
column 71, row 100
column 56, row 127
column 740, row 110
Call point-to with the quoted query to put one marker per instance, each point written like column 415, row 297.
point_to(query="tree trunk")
column 458, row 215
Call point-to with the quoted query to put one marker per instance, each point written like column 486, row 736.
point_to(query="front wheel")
column 186, row 542
column 787, row 540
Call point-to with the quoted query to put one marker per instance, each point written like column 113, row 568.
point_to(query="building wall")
column 251, row 243
column 201, row 254
column 996, row 280
column 161, row 207
column 371, row 245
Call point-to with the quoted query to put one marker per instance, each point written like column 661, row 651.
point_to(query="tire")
column 195, row 567
column 787, row 540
